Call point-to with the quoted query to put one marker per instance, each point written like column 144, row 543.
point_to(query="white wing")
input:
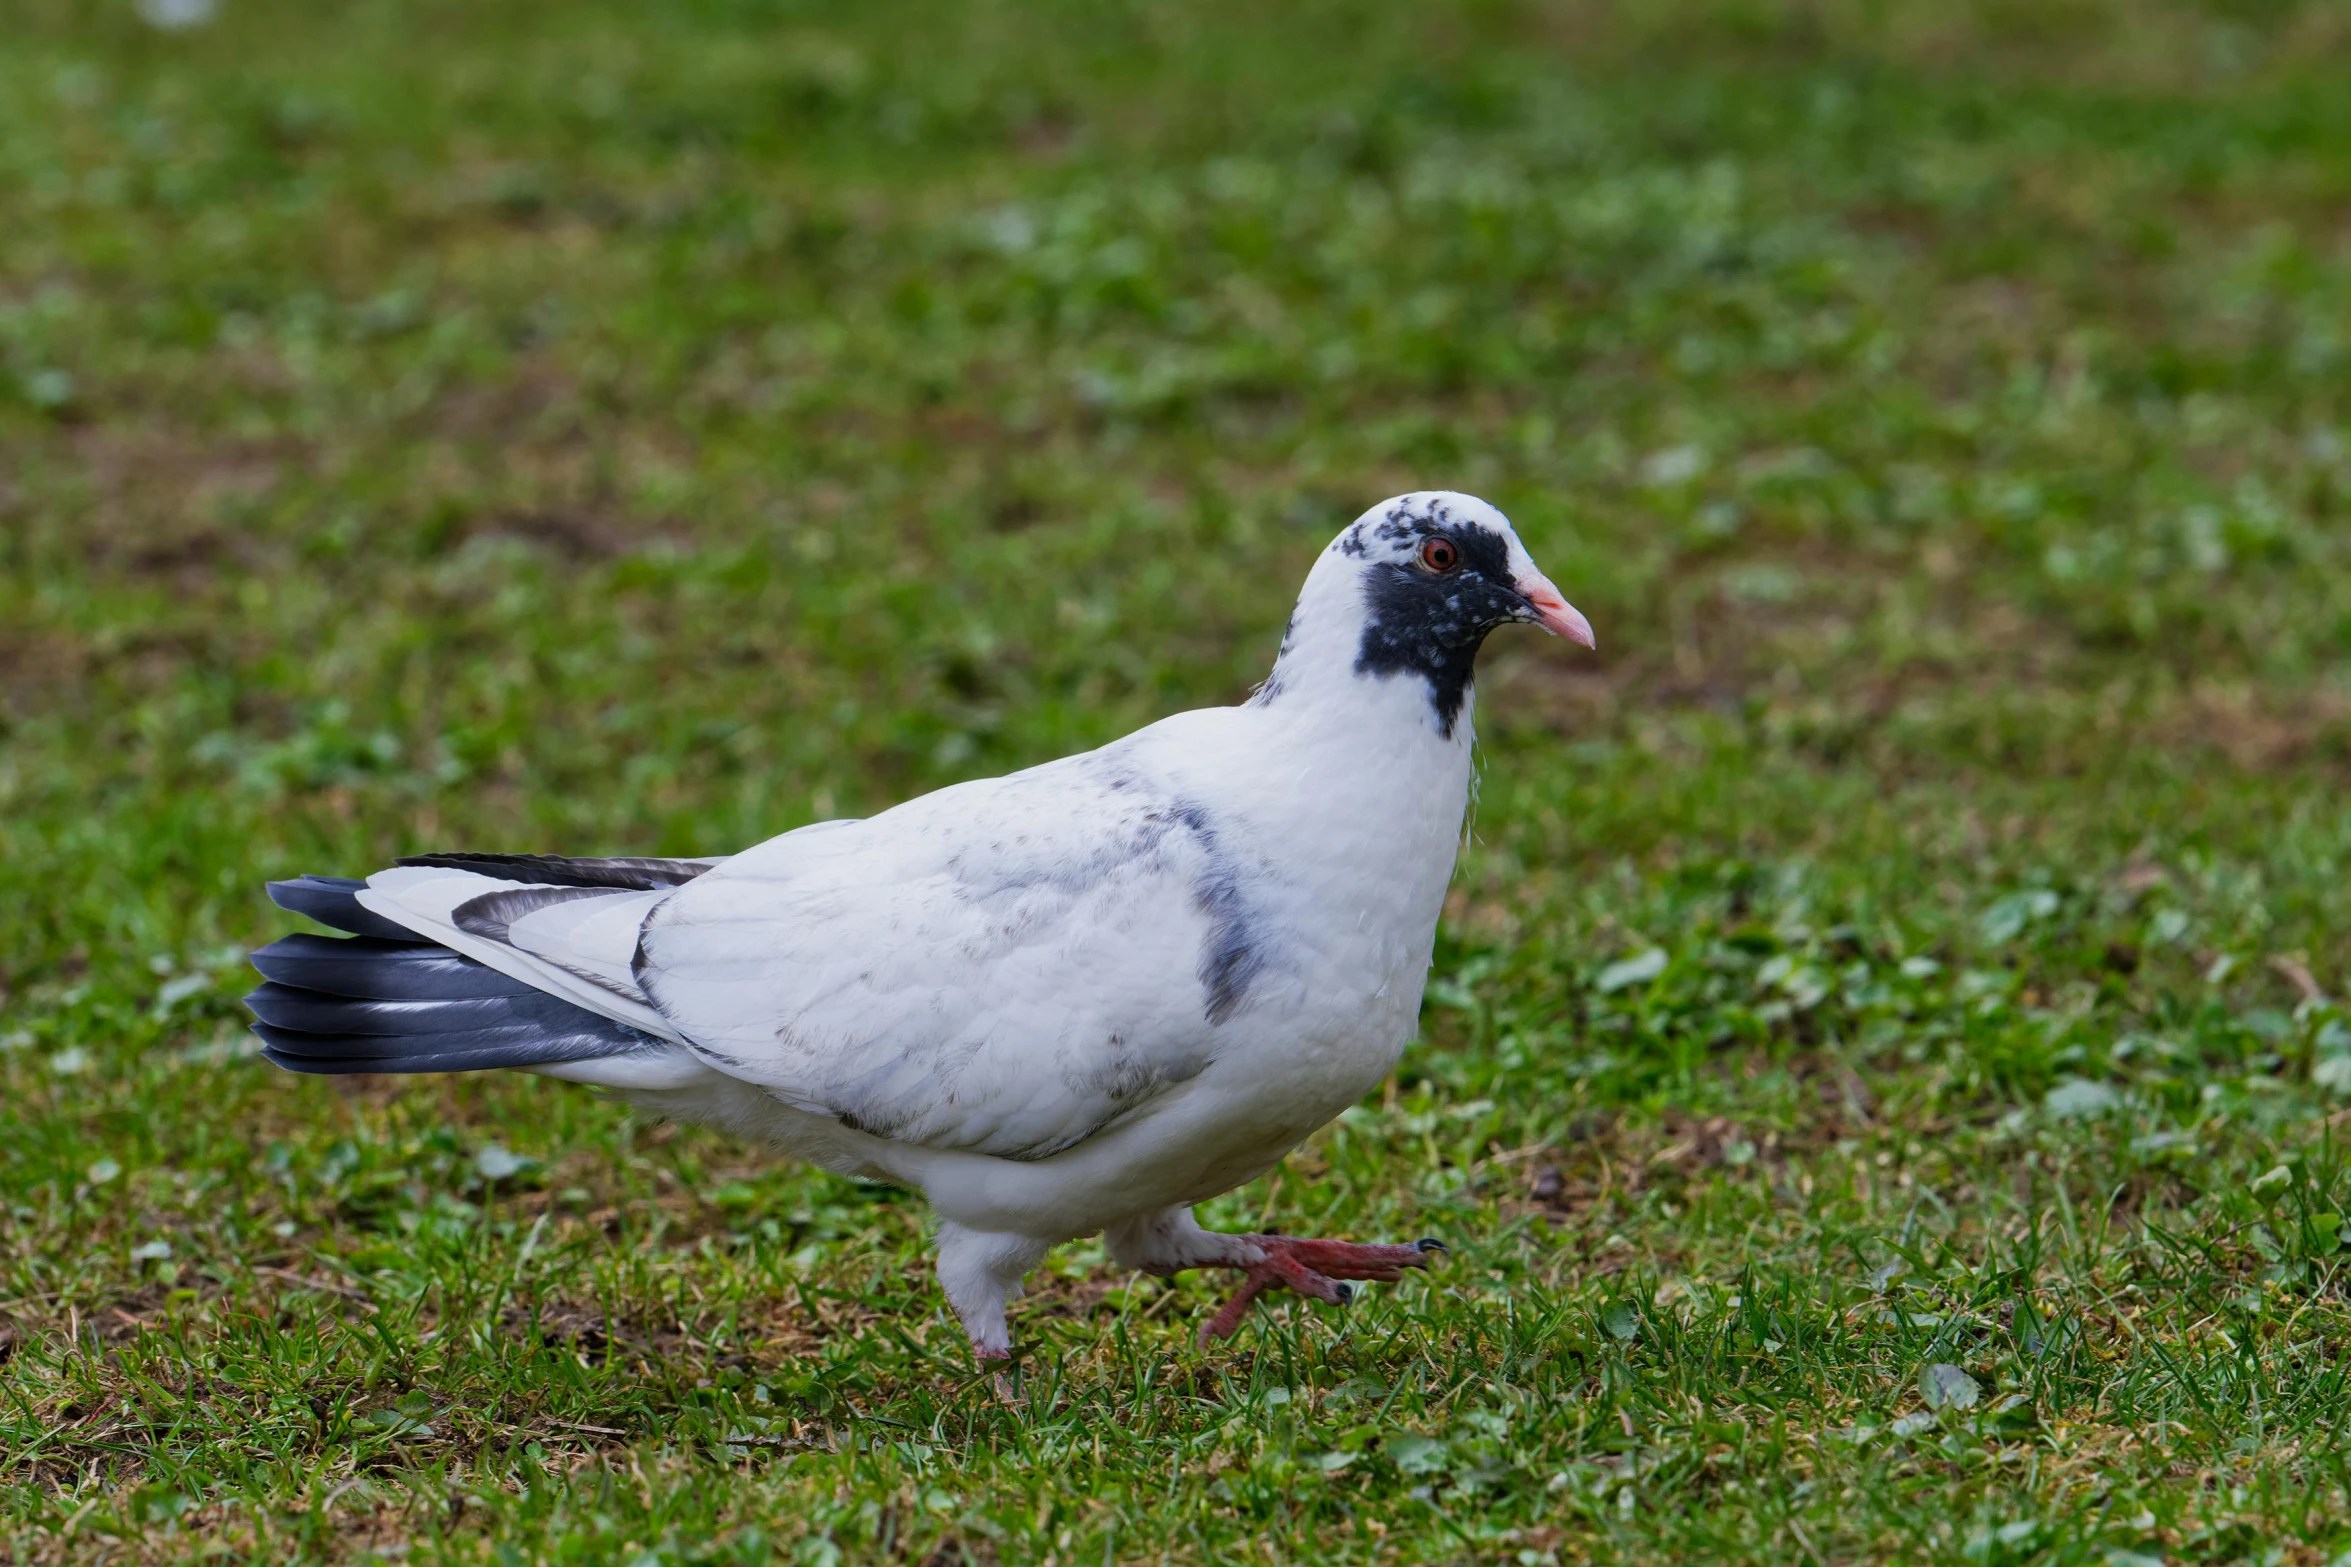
column 1006, row 966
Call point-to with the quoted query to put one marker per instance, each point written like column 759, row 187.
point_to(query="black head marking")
column 1428, row 623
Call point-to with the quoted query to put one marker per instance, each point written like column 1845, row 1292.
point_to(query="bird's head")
column 1443, row 569
column 1413, row 586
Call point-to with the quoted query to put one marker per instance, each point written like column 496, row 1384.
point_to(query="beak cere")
column 1553, row 613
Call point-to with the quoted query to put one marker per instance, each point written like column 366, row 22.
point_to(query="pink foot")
column 1000, row 1381
column 1314, row 1269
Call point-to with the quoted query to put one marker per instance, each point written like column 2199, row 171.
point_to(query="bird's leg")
column 1166, row 1243
column 981, row 1273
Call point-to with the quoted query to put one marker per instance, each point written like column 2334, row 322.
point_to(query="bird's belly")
column 1281, row 1078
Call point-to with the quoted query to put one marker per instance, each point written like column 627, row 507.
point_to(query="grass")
column 1882, row 1079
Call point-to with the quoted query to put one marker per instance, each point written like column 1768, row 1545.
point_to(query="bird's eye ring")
column 1440, row 555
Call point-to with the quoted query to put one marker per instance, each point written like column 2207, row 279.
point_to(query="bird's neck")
column 1362, row 790
column 1331, row 675
column 1356, row 742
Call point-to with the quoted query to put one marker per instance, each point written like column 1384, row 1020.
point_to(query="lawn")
column 1883, row 1081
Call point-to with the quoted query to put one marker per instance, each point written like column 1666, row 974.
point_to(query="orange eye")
column 1440, row 555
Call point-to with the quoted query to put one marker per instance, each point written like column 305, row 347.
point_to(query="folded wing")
column 1006, row 967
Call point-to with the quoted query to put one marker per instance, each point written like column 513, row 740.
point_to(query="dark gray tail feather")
column 330, row 900
column 627, row 874
column 387, row 1000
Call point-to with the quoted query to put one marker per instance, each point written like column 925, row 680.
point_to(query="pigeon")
column 1075, row 1000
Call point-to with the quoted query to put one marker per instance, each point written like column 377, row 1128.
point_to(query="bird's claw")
column 1318, row 1270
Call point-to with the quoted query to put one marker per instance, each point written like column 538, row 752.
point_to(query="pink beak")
column 1553, row 613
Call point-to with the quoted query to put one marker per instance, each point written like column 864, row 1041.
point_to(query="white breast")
column 1352, row 816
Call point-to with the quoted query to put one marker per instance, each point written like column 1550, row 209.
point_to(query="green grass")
column 1916, row 942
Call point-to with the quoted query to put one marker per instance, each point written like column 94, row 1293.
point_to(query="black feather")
column 381, row 970
column 625, row 873
column 379, row 1049
column 378, row 1003
column 454, row 1061
column 463, row 1051
column 345, row 1066
column 283, row 1006
column 456, row 1048
column 330, row 901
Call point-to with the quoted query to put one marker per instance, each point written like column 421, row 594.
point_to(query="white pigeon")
column 1071, row 1001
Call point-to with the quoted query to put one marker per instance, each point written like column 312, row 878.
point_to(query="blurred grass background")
column 1913, row 943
